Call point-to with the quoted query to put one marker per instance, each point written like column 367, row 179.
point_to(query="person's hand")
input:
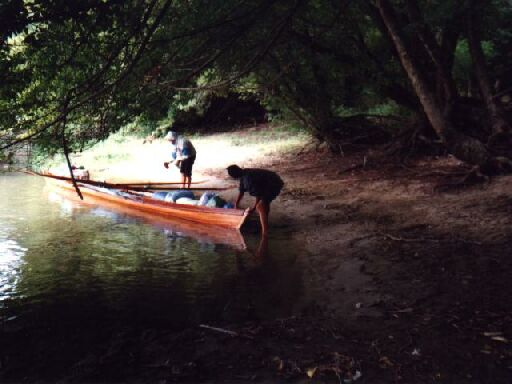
column 166, row 164
column 178, row 163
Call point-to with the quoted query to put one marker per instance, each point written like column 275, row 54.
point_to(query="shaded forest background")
column 422, row 77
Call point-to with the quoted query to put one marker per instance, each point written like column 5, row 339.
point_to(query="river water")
column 72, row 274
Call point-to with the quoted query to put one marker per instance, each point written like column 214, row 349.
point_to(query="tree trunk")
column 498, row 122
column 463, row 147
column 395, row 91
column 445, row 85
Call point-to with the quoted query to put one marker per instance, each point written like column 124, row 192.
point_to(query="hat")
column 171, row 135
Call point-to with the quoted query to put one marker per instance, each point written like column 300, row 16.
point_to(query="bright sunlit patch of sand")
column 128, row 159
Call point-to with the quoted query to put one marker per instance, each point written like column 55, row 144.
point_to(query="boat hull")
column 220, row 217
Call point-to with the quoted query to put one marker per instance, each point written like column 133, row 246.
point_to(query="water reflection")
column 70, row 203
column 11, row 254
column 112, row 262
column 270, row 277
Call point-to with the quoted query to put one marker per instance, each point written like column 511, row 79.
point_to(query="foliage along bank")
column 438, row 71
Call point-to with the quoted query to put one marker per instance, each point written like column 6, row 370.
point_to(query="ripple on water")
column 11, row 254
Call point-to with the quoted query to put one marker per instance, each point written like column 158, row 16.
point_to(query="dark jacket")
column 261, row 183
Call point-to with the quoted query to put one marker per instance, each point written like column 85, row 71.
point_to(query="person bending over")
column 183, row 156
column 263, row 184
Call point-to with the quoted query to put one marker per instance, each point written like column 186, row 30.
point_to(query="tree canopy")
column 76, row 71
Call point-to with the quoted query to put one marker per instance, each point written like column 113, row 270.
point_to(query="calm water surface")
column 71, row 273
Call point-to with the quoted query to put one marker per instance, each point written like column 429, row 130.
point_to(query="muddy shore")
column 411, row 273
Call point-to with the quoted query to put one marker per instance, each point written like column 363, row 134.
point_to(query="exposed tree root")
column 471, row 178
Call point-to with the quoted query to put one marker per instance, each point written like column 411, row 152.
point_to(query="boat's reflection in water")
column 172, row 227
column 260, row 265
column 253, row 279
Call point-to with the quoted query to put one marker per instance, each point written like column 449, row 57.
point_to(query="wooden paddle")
column 150, row 183
column 145, row 187
column 168, row 188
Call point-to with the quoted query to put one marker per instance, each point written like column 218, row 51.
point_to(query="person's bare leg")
column 189, row 181
column 183, row 181
column 263, row 209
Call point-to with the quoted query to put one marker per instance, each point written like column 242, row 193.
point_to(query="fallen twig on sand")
column 221, row 330
column 443, row 173
column 422, row 239
column 357, row 239
column 227, row 332
column 415, row 240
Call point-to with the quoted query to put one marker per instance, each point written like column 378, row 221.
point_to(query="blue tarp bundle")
column 208, row 199
column 172, row 196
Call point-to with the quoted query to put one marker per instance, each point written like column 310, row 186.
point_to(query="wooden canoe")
column 176, row 227
column 218, row 217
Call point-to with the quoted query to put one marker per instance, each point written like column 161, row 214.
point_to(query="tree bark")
column 498, row 122
column 446, row 89
column 463, row 147
column 395, row 91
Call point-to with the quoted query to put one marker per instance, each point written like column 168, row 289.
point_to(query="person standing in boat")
column 263, row 184
column 183, row 155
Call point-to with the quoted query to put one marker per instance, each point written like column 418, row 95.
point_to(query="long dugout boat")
column 218, row 217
